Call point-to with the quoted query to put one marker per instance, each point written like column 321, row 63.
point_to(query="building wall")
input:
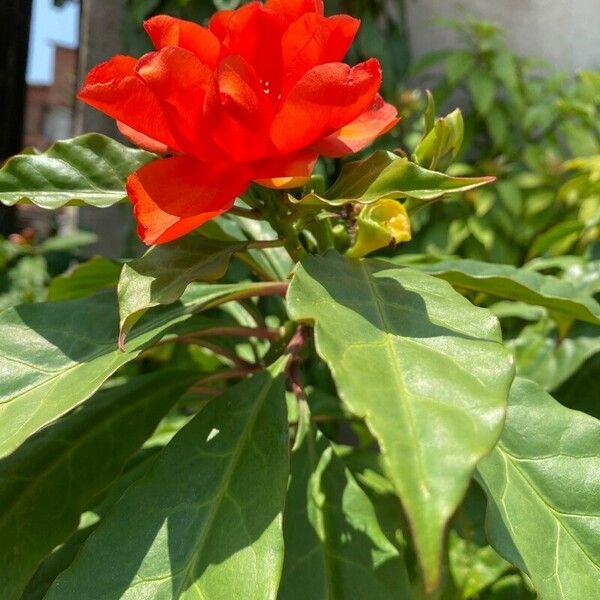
column 564, row 32
column 49, row 117
column 49, row 109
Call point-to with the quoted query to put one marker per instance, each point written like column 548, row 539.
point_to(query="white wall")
column 564, row 32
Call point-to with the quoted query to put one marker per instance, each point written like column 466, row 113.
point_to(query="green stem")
column 257, row 244
column 219, row 351
column 321, row 229
column 292, row 242
column 263, row 333
column 253, row 213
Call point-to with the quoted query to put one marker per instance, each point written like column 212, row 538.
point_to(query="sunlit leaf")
column 505, row 281
column 80, row 454
column 205, row 522
column 89, row 169
column 334, row 545
column 386, row 175
column 163, row 273
column 411, row 357
column 55, row 355
column 544, row 494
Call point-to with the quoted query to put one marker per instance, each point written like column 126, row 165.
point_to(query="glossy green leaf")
column 505, row 281
column 206, row 520
column 57, row 473
column 334, row 545
column 86, row 279
column 89, row 169
column 277, row 262
column 163, row 273
column 543, row 494
column 55, row 355
column 505, row 309
column 270, row 263
column 386, row 175
column 410, row 356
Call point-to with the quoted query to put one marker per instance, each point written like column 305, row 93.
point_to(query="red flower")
column 256, row 96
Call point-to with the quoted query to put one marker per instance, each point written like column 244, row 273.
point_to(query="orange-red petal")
column 239, row 111
column 313, row 40
column 141, row 140
column 253, row 33
column 114, row 88
column 169, row 31
column 294, row 9
column 361, row 132
column 325, row 99
column 173, row 196
column 281, row 172
column 180, row 82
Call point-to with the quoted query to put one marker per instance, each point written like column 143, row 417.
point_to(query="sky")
column 50, row 26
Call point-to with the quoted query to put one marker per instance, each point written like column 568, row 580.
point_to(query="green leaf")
column 482, row 88
column 473, row 563
column 506, row 69
column 57, row 473
column 67, row 242
column 505, row 281
column 498, row 125
column 55, row 355
column 411, row 357
column 386, row 175
column 334, row 545
column 505, row 309
column 206, row 520
column 277, row 261
column 86, row 279
column 270, row 263
column 511, row 587
column 429, row 114
column 163, row 273
column 544, row 494
column 89, row 169
column 544, row 357
column 56, row 562
column 557, row 240
column 473, row 568
column 458, row 64
column 580, row 391
column 443, row 141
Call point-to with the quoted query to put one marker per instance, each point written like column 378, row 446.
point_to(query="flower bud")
column 380, row 224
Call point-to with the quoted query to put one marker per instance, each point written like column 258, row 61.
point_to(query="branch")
column 294, row 348
column 218, row 350
column 237, row 373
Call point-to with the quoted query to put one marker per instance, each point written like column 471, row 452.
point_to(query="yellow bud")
column 379, row 225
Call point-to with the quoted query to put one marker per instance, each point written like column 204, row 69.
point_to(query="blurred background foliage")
column 534, row 129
